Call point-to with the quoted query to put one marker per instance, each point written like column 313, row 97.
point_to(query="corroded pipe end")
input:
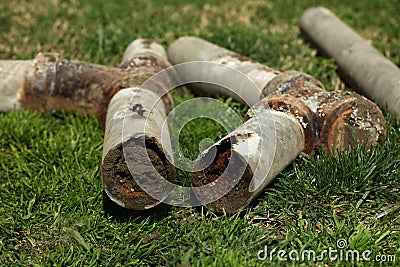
column 239, row 196
column 298, row 109
column 346, row 119
column 117, row 179
column 334, row 120
column 295, row 93
column 247, row 160
column 134, row 154
column 291, row 80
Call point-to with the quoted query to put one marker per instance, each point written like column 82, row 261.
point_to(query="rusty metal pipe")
column 335, row 120
column 51, row 83
column 133, row 129
column 251, row 157
column 314, row 119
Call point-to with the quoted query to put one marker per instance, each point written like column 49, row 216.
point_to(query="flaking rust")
column 329, row 116
column 51, row 83
column 346, row 119
column 302, row 115
column 238, row 156
column 133, row 151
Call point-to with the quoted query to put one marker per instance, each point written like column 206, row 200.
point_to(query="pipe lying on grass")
column 331, row 120
column 360, row 64
column 134, row 124
column 297, row 115
column 50, row 83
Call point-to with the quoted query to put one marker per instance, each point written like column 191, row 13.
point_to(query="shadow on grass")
column 124, row 215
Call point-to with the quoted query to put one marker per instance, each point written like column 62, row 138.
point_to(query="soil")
column 118, row 181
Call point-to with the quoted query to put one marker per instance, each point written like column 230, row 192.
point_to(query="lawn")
column 51, row 197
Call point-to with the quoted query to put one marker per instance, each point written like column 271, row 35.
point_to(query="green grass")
column 51, row 203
